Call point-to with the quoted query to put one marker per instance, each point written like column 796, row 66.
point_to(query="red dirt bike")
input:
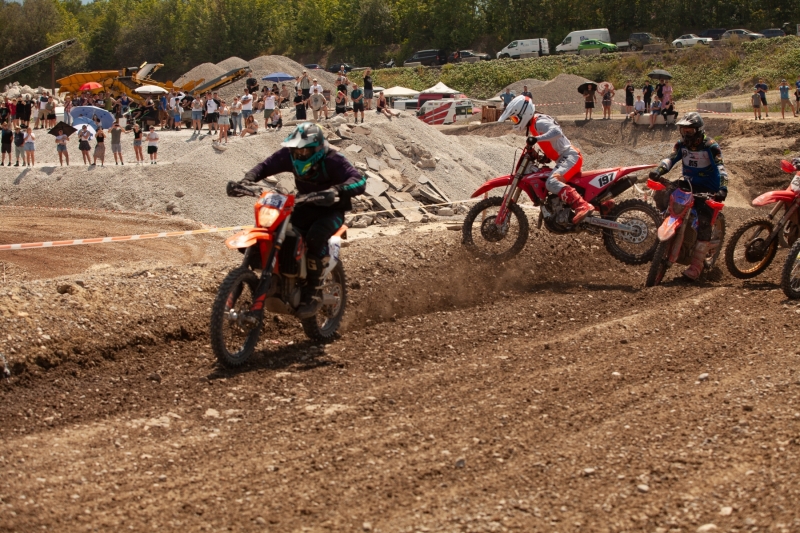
column 271, row 277
column 497, row 228
column 754, row 244
column 678, row 233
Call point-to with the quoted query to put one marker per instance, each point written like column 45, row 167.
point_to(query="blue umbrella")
column 278, row 77
column 85, row 115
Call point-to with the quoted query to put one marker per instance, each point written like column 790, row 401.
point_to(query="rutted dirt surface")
column 550, row 393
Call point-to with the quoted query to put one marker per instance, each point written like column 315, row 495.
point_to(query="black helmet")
column 692, row 120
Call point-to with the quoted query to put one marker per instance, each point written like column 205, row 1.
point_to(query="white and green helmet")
column 306, row 135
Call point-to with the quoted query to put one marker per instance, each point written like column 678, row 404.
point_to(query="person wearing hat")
column 785, row 101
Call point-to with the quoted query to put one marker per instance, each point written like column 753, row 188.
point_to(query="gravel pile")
column 559, row 96
column 204, row 71
column 232, row 63
column 264, row 65
column 517, row 86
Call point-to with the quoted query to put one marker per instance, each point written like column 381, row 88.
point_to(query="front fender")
column 669, row 227
column 501, row 181
column 774, row 196
column 247, row 238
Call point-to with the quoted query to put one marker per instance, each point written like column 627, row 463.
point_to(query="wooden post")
column 53, row 74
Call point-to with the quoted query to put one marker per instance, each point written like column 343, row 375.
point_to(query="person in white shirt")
column 269, row 105
column 211, row 111
column 247, row 104
column 152, row 145
column 316, row 86
column 638, row 109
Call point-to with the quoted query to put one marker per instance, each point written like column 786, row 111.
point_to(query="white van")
column 574, row 38
column 515, row 49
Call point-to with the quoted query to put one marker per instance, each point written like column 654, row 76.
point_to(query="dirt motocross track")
column 549, row 393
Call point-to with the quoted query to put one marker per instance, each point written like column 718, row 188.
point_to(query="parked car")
column 515, row 49
column 773, row 32
column 591, row 44
column 690, row 39
column 714, row 33
column 314, row 66
column 744, row 35
column 336, row 66
column 428, row 58
column 468, row 53
column 637, row 41
column 575, row 38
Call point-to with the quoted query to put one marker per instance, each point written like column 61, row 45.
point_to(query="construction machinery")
column 48, row 53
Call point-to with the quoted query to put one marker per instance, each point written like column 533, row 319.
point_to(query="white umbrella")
column 150, row 89
column 440, row 88
column 399, row 91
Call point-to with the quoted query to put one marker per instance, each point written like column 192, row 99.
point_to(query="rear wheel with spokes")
column 485, row 238
column 749, row 252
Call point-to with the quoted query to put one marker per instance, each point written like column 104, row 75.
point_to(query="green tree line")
column 184, row 33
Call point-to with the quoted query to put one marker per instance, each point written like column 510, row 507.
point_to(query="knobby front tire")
column 481, row 235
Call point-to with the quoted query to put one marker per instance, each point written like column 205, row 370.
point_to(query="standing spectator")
column 30, row 147
column 341, row 82
column 251, row 125
column 61, row 147
column 299, row 107
column 116, row 143
column 4, row 113
column 655, row 110
column 629, row 91
column 317, row 86
column 176, row 113
column 212, row 104
column 84, row 135
column 247, row 105
column 100, row 147
column 137, row 144
column 608, row 99
column 762, row 91
column 367, row 91
column 29, row 107
column 50, row 112
column 197, row 115
column 163, row 111
column 41, row 118
column 269, row 105
column 638, row 109
column 590, row 99
column 647, row 95
column 660, row 90
column 67, row 109
column 756, row 101
column 224, row 121
column 318, row 103
column 383, row 106
column 526, row 92
column 150, row 111
column 152, row 145
column 6, row 138
column 305, row 87
column 12, row 113
column 785, row 100
column 797, row 97
column 667, row 91
column 357, row 97
column 340, row 107
column 236, row 114
column 19, row 144
column 506, row 97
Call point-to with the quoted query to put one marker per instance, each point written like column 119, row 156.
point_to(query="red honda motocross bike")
column 270, row 278
column 497, row 228
column 754, row 244
column 678, row 233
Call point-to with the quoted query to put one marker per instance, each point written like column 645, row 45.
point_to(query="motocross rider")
column 317, row 169
column 704, row 169
column 544, row 129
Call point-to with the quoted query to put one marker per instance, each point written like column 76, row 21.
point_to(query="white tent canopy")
column 399, row 91
column 441, row 88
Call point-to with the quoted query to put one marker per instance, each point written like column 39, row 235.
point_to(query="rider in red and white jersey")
column 544, row 129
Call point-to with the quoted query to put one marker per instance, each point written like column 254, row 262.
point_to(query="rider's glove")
column 531, row 140
column 237, row 190
column 326, row 198
column 720, row 195
column 654, row 175
column 250, row 176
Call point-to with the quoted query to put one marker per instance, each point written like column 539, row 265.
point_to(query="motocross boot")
column 698, row 260
column 310, row 298
column 581, row 207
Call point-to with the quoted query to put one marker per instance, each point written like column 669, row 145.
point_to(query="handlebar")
column 238, row 190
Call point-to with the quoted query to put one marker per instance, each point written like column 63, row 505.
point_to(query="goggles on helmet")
column 687, row 131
